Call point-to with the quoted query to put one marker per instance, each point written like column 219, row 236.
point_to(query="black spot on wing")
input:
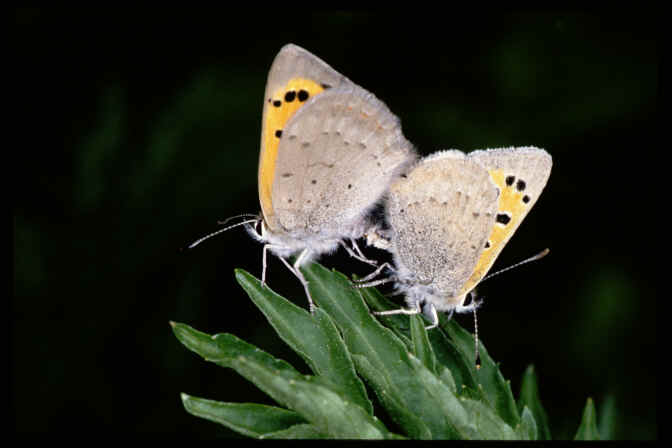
column 503, row 218
column 520, row 185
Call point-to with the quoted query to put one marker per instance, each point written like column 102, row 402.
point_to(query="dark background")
column 139, row 129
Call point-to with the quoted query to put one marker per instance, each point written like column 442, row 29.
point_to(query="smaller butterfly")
column 450, row 217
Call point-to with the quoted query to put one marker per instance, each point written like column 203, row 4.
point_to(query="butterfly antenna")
column 217, row 232
column 242, row 215
column 536, row 257
column 477, row 357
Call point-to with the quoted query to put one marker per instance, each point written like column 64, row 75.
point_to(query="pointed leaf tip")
column 588, row 427
column 313, row 336
column 529, row 397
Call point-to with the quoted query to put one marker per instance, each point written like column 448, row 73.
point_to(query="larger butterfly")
column 329, row 150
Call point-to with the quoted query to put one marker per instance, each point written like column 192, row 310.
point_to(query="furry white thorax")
column 285, row 244
column 415, row 290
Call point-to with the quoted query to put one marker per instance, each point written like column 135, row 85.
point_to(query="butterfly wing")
column 520, row 175
column 336, row 157
column 441, row 215
column 295, row 76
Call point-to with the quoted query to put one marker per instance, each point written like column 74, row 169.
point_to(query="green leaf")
column 226, row 350
column 398, row 323
column 457, row 422
column 607, row 420
column 496, row 390
column 489, row 425
column 529, row 397
column 452, row 366
column 386, row 366
column 253, row 420
column 447, row 378
column 402, row 383
column 458, row 352
column 409, row 421
column 448, row 356
column 313, row 398
column 469, row 419
column 421, row 346
column 314, row 337
column 426, row 381
column 301, row 431
column 588, row 427
column 527, row 430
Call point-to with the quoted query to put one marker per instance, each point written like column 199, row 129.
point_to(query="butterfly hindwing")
column 336, row 157
column 441, row 214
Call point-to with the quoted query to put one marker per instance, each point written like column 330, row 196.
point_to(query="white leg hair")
column 374, row 274
column 358, row 256
column 429, row 311
column 263, row 261
column 295, row 269
column 408, row 312
column 382, row 281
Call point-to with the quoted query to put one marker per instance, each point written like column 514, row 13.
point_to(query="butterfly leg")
column 357, row 253
column 372, row 275
column 263, row 261
column 374, row 283
column 429, row 311
column 296, row 271
column 406, row 311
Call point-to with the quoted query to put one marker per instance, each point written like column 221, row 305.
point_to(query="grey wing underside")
column 336, row 157
column 441, row 215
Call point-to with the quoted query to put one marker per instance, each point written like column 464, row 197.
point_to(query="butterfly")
column 329, row 150
column 449, row 218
